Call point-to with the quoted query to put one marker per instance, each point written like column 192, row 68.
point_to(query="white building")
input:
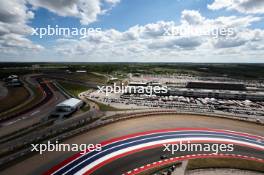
column 69, row 105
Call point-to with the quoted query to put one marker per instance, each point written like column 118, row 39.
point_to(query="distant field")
column 225, row 163
column 239, row 70
column 6, row 72
column 246, row 71
column 83, row 77
column 15, row 97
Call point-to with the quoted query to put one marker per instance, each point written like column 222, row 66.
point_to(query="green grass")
column 225, row 163
column 73, row 89
column 86, row 77
column 85, row 108
column 104, row 107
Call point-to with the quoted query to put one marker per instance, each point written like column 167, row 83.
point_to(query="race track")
column 38, row 164
column 146, row 143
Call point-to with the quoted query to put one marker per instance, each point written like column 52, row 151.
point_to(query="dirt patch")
column 15, row 96
column 3, row 90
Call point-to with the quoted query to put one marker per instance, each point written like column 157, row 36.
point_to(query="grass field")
column 104, row 107
column 225, row 163
column 243, row 71
column 85, row 77
column 15, row 96
column 73, row 89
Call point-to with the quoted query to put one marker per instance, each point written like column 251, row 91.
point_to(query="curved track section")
column 95, row 162
column 47, row 95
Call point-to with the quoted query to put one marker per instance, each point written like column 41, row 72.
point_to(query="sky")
column 132, row 31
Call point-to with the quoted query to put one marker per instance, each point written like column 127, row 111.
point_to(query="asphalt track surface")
column 37, row 164
column 123, row 154
column 48, row 94
column 33, row 115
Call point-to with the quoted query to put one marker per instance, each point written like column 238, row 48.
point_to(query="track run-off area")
column 115, row 153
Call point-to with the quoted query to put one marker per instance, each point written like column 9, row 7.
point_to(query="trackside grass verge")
column 225, row 163
column 73, row 89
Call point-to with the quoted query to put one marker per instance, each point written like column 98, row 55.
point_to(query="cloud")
column 14, row 11
column 178, row 43
column 243, row 6
column 13, row 27
column 16, row 14
column 228, row 43
column 192, row 17
column 234, row 21
column 112, row 1
column 18, row 41
column 86, row 10
column 148, row 43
